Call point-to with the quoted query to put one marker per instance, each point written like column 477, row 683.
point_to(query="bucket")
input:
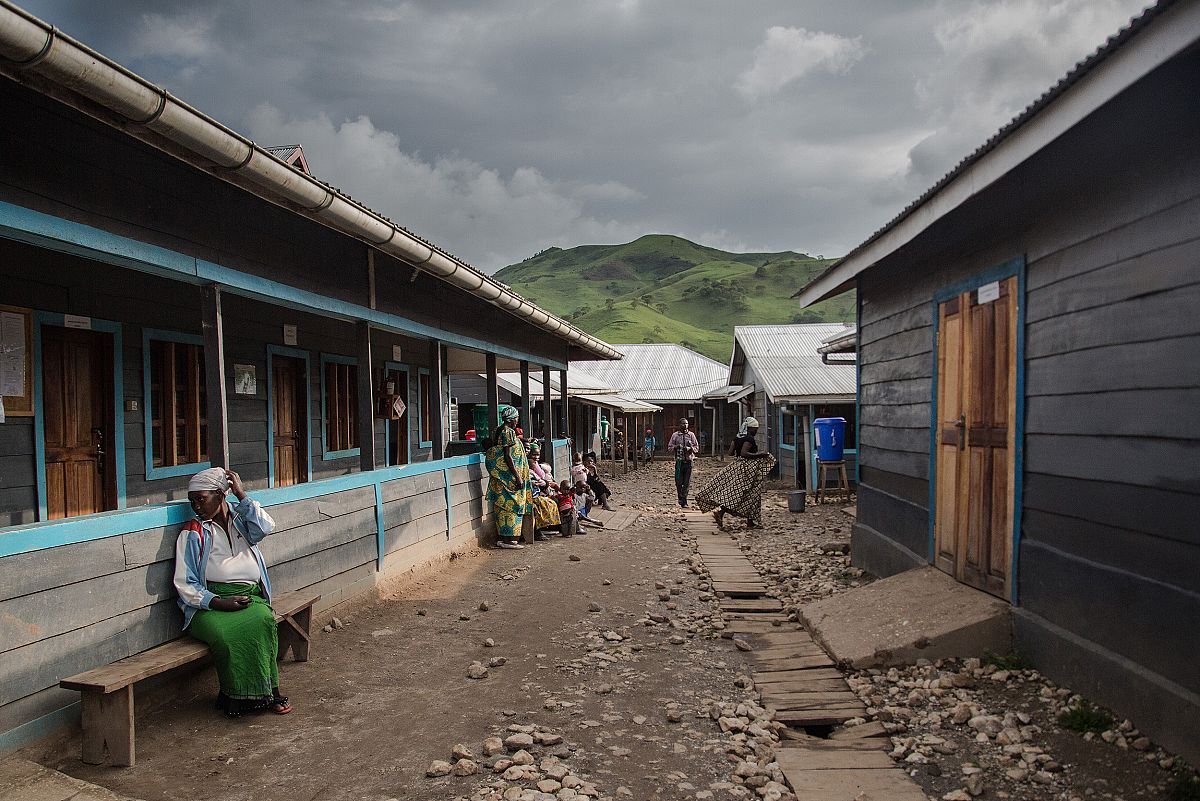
column 796, row 500
column 829, row 435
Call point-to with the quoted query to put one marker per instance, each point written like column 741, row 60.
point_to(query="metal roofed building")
column 1029, row 398
column 670, row 376
column 174, row 296
column 786, row 385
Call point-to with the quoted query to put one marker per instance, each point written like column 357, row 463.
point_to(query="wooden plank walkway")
column 617, row 520
column 798, row 681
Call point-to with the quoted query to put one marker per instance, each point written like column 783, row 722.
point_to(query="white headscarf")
column 213, row 478
column 748, row 424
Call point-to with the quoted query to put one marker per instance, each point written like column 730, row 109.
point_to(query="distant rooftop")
column 786, row 361
column 658, row 373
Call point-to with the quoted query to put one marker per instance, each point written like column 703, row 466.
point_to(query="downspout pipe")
column 28, row 44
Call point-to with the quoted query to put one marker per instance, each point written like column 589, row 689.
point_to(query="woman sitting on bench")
column 224, row 593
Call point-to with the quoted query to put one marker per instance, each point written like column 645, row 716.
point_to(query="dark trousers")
column 568, row 524
column 683, row 477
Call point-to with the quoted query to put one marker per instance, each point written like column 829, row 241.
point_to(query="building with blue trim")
column 173, row 296
column 1029, row 357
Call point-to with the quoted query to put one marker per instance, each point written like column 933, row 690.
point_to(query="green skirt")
column 244, row 643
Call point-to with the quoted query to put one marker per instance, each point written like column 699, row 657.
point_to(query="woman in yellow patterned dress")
column 509, row 490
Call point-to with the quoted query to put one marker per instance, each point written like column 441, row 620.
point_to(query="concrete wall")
column 1106, row 576
column 75, row 607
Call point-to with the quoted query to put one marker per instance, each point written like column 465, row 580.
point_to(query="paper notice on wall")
column 245, row 379
column 12, row 354
column 989, row 292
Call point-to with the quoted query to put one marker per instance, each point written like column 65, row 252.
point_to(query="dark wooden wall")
column 1108, row 568
column 58, row 282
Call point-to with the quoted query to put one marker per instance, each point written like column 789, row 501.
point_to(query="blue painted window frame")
column 398, row 367
column 161, row 335
column 294, row 353
column 421, row 432
column 1012, row 268
column 326, row 454
column 41, row 318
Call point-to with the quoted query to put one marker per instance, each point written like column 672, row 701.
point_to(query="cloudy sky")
column 497, row 128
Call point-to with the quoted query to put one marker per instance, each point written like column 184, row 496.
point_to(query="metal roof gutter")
column 29, row 45
column 1092, row 83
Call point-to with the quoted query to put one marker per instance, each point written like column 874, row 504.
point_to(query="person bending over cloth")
column 225, row 595
column 737, row 489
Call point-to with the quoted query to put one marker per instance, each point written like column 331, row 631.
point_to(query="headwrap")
column 509, row 414
column 748, row 424
column 213, row 478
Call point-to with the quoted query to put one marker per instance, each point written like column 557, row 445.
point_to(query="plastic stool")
column 843, row 484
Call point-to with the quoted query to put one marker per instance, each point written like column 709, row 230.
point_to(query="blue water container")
column 830, row 435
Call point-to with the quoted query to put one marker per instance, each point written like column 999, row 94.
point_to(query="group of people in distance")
column 520, row 485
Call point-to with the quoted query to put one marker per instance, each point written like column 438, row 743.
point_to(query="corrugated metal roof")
column 660, row 372
column 619, row 402
column 578, row 383
column 786, row 361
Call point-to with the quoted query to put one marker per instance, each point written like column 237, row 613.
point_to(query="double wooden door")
column 289, row 415
column 77, row 408
column 976, row 448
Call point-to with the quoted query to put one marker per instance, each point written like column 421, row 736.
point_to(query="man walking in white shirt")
column 685, row 447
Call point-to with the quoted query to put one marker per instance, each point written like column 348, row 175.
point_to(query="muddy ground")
column 387, row 694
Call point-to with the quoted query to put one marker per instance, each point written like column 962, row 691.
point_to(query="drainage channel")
column 821, row 757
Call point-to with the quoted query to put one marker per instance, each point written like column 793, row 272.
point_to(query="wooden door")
column 77, row 408
column 976, row 453
column 398, row 447
column 289, row 411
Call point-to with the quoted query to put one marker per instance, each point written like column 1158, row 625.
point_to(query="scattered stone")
column 484, row 606
column 492, row 745
column 438, row 767
column 518, row 741
column 742, row 645
column 337, row 623
column 489, row 643
column 462, row 751
column 421, row 613
column 477, row 671
column 465, row 767
column 575, row 558
column 595, row 607
column 496, row 661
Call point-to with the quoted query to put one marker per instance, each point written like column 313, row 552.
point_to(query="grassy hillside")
column 665, row 289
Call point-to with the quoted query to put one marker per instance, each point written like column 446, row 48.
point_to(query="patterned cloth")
column 509, row 493
column 737, row 489
column 545, row 512
column 244, row 643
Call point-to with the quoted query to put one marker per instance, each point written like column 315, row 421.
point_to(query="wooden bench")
column 107, row 692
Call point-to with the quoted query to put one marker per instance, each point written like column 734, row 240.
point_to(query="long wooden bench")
column 107, row 692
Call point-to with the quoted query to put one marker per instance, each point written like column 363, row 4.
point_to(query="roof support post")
column 366, row 399
column 721, row 428
column 527, row 405
column 565, row 431
column 214, row 375
column 437, row 415
column 547, row 416
column 493, row 397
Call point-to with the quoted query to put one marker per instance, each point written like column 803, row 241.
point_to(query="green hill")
column 662, row 288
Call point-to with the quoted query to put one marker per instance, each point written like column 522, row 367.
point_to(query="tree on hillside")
column 761, row 272
column 608, row 303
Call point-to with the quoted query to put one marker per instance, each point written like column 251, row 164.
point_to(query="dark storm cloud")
column 499, row 128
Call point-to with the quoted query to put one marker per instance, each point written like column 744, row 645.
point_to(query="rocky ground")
column 966, row 729
column 595, row 668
